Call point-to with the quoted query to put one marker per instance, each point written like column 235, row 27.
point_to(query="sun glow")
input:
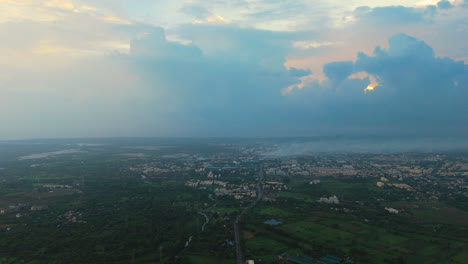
column 369, row 88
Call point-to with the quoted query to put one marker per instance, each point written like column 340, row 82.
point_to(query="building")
column 328, row 259
column 332, row 200
column 39, row 207
column 392, row 210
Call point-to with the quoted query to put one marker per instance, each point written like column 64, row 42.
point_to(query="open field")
column 314, row 229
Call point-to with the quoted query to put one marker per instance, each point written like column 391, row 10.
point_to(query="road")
column 237, row 239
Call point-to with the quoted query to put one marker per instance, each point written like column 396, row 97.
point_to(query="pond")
column 272, row 222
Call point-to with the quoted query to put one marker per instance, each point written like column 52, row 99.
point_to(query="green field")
column 366, row 233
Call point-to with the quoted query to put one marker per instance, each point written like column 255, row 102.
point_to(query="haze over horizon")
column 238, row 68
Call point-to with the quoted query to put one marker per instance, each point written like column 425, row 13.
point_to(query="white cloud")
column 307, row 44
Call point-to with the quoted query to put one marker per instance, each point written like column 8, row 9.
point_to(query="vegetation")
column 113, row 203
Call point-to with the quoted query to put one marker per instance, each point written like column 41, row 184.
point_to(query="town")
column 192, row 203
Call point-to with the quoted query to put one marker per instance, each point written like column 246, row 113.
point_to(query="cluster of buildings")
column 345, row 170
column 149, row 169
column 385, row 182
column 407, row 165
column 454, row 168
column 55, row 186
column 196, row 183
column 431, row 188
column 72, row 217
column 455, row 184
column 39, row 207
column 274, row 185
column 14, row 208
column 237, row 191
column 292, row 167
column 22, row 207
column 209, row 166
column 391, row 165
column 52, row 187
column 310, row 170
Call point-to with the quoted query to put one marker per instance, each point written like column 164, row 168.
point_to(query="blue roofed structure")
column 302, row 259
column 327, row 259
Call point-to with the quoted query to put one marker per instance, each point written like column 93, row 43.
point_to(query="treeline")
column 125, row 222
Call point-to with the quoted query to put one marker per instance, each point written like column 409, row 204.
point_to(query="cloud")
column 417, row 92
column 53, row 70
column 202, row 15
column 119, row 77
column 153, row 45
column 207, row 90
column 195, row 10
column 215, row 90
column 410, row 66
column 54, row 10
column 299, row 72
column 394, row 14
column 444, row 4
column 234, row 43
column 338, row 71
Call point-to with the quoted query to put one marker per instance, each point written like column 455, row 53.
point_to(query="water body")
column 207, row 220
column 51, row 154
column 188, row 241
column 272, row 222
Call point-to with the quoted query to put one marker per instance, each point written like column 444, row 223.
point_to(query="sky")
column 232, row 68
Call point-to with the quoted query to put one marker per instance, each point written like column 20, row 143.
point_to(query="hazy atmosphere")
column 237, row 68
column 233, row 132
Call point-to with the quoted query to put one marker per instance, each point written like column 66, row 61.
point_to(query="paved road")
column 243, row 211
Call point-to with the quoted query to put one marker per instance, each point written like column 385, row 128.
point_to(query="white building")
column 391, row 210
column 331, row 200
